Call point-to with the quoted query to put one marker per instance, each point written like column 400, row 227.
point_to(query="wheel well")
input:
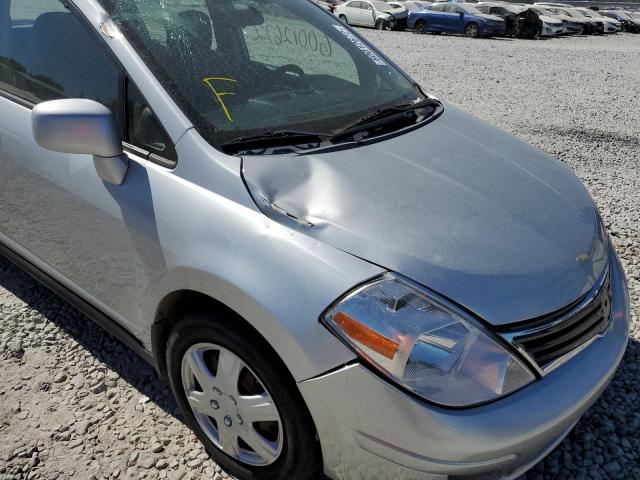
column 175, row 306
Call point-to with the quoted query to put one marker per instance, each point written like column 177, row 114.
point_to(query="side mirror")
column 461, row 14
column 85, row 127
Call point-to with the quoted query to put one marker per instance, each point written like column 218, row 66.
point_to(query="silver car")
column 337, row 272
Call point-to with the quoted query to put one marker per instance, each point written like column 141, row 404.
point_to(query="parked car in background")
column 611, row 25
column 629, row 23
column 574, row 23
column 462, row 18
column 372, row 13
column 521, row 22
column 592, row 26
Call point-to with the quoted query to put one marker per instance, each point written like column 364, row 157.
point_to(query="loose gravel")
column 75, row 403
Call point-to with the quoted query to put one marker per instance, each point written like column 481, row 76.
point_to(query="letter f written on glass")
column 210, row 82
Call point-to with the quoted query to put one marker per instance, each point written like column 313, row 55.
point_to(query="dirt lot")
column 75, row 403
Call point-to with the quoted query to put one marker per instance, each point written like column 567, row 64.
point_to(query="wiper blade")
column 387, row 115
column 272, row 139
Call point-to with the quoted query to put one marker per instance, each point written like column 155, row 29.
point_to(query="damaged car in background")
column 611, row 25
column 375, row 13
column 629, row 22
column 520, row 22
column 569, row 25
column 589, row 26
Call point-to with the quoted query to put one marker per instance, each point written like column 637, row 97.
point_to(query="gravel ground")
column 74, row 402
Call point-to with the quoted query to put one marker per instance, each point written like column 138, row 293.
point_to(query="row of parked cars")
column 483, row 19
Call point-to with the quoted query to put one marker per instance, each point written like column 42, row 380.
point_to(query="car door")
column 434, row 18
column 368, row 14
column 95, row 238
column 353, row 12
column 455, row 18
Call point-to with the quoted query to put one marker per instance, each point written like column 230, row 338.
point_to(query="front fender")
column 277, row 279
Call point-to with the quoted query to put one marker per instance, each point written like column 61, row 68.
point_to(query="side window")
column 48, row 54
column 144, row 129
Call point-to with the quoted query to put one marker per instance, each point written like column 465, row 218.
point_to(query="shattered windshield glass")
column 250, row 68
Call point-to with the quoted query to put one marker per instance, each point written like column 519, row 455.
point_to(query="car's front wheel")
column 420, row 27
column 240, row 400
column 472, row 30
column 344, row 19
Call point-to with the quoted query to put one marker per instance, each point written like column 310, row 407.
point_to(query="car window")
column 48, row 54
column 436, row 8
column 143, row 128
column 277, row 66
column 354, row 4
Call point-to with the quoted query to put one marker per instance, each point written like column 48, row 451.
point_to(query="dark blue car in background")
column 455, row 18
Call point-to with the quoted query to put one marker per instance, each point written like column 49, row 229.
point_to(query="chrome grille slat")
column 551, row 340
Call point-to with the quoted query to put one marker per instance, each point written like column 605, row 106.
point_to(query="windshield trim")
column 338, row 147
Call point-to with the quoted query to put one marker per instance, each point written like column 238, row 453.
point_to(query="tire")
column 344, row 19
column 472, row 30
column 223, row 415
column 420, row 27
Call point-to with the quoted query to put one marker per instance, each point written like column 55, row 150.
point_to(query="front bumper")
column 398, row 23
column 369, row 429
column 551, row 30
column 493, row 28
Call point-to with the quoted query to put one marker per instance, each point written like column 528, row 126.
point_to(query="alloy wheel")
column 231, row 405
column 472, row 30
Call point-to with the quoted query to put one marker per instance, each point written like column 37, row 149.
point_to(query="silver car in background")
column 338, row 273
column 375, row 13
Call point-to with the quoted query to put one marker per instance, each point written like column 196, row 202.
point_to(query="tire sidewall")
column 300, row 456
column 467, row 30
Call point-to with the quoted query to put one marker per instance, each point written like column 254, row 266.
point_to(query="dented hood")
column 457, row 205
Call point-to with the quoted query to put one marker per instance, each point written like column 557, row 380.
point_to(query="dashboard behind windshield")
column 240, row 68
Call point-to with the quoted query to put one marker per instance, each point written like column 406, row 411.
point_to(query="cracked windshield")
column 242, row 69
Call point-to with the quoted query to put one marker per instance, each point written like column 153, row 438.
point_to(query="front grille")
column 546, row 340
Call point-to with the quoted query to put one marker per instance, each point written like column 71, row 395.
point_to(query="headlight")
column 424, row 345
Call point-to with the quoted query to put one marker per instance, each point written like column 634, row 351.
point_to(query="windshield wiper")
column 385, row 116
column 273, row 139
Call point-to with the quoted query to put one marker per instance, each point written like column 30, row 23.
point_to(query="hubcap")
column 231, row 405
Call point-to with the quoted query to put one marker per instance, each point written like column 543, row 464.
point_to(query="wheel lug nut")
column 214, row 404
column 227, row 421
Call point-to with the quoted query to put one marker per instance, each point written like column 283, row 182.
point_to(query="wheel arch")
column 288, row 321
column 175, row 306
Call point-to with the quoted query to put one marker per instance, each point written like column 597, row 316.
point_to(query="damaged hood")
column 456, row 205
column 398, row 12
column 485, row 16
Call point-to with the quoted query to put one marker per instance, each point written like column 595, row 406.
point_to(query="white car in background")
column 611, row 25
column 374, row 13
column 569, row 24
